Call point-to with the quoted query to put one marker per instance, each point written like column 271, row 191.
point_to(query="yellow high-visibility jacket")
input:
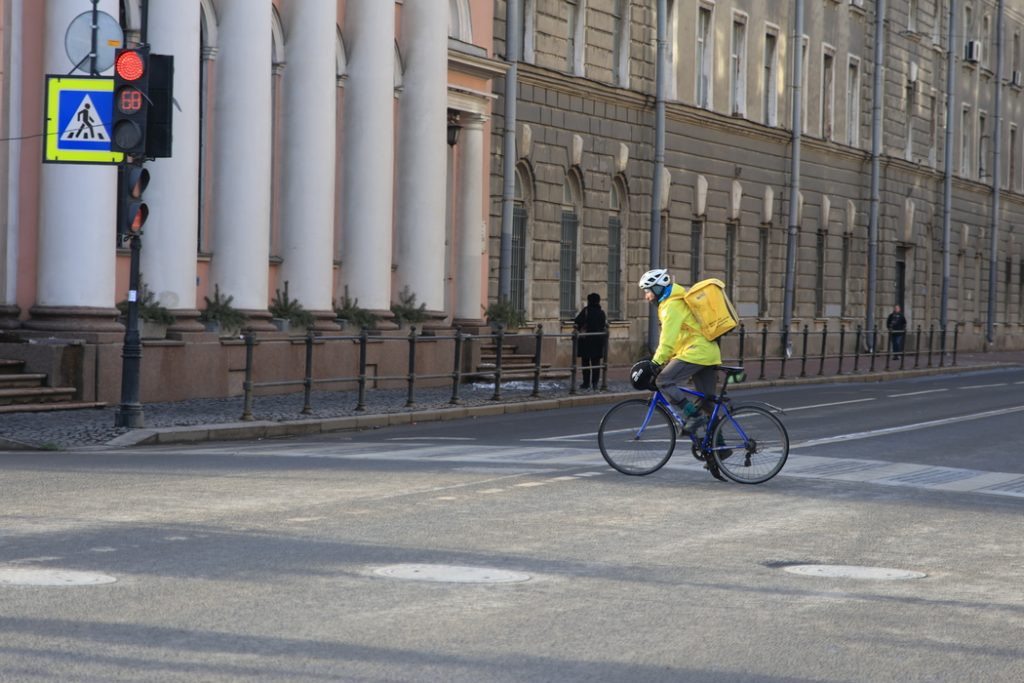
column 680, row 333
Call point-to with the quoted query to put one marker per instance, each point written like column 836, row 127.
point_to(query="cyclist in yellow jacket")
column 683, row 352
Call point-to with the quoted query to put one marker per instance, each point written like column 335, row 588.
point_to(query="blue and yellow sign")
column 79, row 111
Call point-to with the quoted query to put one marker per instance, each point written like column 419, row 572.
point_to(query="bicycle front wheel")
column 750, row 445
column 631, row 443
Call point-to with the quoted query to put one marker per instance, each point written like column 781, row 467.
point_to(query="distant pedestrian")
column 897, row 326
column 590, row 348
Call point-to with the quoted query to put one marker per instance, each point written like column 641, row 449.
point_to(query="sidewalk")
column 275, row 416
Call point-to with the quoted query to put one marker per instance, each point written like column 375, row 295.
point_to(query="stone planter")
column 152, row 330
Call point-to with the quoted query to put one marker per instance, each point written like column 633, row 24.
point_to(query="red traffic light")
column 130, row 65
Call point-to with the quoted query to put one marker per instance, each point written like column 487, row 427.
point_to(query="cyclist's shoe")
column 694, row 422
column 712, row 467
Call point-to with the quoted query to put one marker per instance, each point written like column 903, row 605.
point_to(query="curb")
column 234, row 431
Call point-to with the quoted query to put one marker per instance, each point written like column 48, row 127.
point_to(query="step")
column 507, row 357
column 8, row 365
column 24, row 379
column 50, row 407
column 36, row 395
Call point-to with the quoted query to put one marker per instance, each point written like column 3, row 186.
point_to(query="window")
column 576, row 36
column 982, row 147
column 1011, row 176
column 986, row 38
column 933, row 130
column 738, row 66
column 696, row 249
column 940, row 12
column 804, row 80
column 705, row 57
column 731, row 230
column 853, row 103
column 968, row 18
column 1015, row 55
column 617, row 211
column 770, row 96
column 908, row 138
column 520, row 218
column 828, row 94
column 819, row 276
column 762, row 270
column 672, row 51
column 569, row 247
column 965, row 140
column 620, row 56
column 527, row 22
column 912, row 16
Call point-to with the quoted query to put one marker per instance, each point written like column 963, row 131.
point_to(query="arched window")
column 618, row 211
column 568, row 264
column 520, row 236
column 207, row 52
column 460, row 24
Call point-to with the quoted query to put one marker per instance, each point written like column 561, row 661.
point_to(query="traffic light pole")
column 129, row 413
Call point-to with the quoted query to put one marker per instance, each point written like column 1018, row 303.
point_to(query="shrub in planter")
column 291, row 310
column 149, row 309
column 503, row 312
column 352, row 314
column 220, row 312
column 406, row 310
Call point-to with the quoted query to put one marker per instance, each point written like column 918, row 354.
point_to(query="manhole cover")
column 450, row 573
column 844, row 571
column 36, row 576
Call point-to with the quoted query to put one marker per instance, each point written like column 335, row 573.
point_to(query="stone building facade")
column 585, row 130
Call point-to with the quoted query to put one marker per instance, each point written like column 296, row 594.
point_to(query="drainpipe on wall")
column 993, row 294
column 513, row 40
column 794, row 173
column 878, row 93
column 947, row 192
column 13, row 104
column 653, row 332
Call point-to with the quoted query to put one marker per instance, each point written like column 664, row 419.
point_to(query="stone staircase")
column 514, row 366
column 22, row 391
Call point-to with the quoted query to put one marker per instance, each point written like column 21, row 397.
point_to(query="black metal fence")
column 771, row 354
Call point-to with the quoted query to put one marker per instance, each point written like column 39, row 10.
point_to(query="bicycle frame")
column 720, row 411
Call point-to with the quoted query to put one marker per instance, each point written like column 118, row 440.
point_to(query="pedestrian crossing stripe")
column 86, row 124
column 79, row 111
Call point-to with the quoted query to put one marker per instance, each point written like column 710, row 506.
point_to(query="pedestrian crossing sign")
column 79, row 112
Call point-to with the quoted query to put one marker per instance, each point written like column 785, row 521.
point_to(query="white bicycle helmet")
column 655, row 278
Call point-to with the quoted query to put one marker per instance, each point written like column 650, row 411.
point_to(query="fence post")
column 500, row 338
column 457, row 367
column 764, row 348
column 307, row 382
column 942, row 347
column 916, row 347
column 743, row 336
column 888, row 350
column 785, row 348
column 824, row 335
column 572, row 366
column 361, row 401
column 803, row 359
column 931, row 340
column 956, row 339
column 842, row 342
column 606, row 342
column 874, row 347
column 250, row 342
column 410, row 399
column 538, row 345
column 856, row 350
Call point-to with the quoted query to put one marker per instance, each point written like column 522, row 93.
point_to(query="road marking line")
column 985, row 386
column 493, row 491
column 918, row 393
column 446, row 498
column 905, row 428
column 528, row 484
column 825, row 405
column 432, row 438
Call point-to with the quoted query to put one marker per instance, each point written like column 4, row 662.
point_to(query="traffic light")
column 160, row 119
column 132, row 211
column 131, row 101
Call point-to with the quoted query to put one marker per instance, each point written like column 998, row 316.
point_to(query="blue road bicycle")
column 746, row 442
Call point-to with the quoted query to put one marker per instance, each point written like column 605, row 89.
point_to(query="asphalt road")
column 283, row 560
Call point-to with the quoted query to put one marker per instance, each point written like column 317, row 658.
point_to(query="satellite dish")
column 78, row 41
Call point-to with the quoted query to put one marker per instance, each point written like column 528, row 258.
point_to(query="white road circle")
column 447, row 573
column 845, row 571
column 41, row 576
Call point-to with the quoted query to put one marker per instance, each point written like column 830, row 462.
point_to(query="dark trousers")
column 591, row 371
column 896, row 341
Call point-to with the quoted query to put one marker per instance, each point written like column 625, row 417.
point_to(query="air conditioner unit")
column 973, row 52
column 1017, row 79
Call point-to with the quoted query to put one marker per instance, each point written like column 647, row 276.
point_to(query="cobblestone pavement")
column 95, row 427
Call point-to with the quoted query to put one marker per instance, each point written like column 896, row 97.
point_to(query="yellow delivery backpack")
column 711, row 307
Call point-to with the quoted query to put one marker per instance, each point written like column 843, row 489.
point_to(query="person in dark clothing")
column 897, row 326
column 590, row 348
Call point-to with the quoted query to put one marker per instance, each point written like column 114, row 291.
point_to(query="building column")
column 168, row 263
column 10, row 160
column 471, row 296
column 369, row 153
column 308, row 180
column 76, row 259
column 422, row 154
column 242, row 156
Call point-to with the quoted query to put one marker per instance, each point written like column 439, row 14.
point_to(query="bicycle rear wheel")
column 751, row 446
column 632, row 447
